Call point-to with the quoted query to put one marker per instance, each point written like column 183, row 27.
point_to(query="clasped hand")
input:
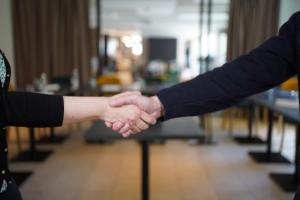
column 131, row 113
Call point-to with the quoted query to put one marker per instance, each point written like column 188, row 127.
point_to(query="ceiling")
column 160, row 17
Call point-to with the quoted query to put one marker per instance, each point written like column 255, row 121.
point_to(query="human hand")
column 150, row 105
column 128, row 117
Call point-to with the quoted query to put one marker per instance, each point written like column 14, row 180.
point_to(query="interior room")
column 149, row 100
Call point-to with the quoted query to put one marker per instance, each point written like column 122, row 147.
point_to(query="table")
column 32, row 154
column 181, row 128
column 53, row 138
column 250, row 139
column 20, row 176
column 286, row 181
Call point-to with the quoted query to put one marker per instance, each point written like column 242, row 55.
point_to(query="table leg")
column 32, row 148
column 18, row 138
column 289, row 182
column 250, row 121
column 270, row 131
column 206, row 137
column 250, row 139
column 268, row 156
column 52, row 135
column 296, row 172
column 145, row 170
column 32, row 155
column 53, row 138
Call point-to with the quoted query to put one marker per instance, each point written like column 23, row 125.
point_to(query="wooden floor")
column 179, row 171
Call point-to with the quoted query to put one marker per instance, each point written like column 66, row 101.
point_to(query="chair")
column 229, row 115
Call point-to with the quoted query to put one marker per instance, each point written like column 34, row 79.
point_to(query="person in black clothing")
column 270, row 64
column 38, row 110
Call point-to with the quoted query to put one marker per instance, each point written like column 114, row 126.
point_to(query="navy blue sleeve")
column 268, row 65
column 31, row 110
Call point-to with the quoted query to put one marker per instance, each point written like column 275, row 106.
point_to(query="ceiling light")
column 137, row 49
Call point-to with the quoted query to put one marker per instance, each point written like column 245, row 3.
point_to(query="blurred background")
column 104, row 47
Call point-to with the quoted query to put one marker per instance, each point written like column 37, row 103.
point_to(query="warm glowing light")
column 137, row 39
column 137, row 49
column 127, row 41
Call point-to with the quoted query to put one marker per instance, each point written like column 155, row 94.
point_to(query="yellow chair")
column 108, row 79
column 109, row 84
column 290, row 85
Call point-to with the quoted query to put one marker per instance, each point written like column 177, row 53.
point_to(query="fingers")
column 138, row 122
column 135, row 129
column 141, row 125
column 127, row 134
column 124, row 129
column 108, row 124
column 117, row 126
column 149, row 119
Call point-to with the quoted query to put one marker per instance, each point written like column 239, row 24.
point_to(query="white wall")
column 287, row 8
column 6, row 33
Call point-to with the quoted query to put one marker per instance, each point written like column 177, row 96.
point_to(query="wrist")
column 103, row 106
column 159, row 108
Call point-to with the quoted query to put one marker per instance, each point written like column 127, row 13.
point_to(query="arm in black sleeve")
column 266, row 66
column 31, row 110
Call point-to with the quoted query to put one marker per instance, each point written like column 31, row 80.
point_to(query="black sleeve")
column 270, row 64
column 31, row 110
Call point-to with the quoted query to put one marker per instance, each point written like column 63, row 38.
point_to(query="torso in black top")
column 22, row 109
column 5, row 177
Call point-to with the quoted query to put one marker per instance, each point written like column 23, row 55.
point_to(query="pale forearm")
column 77, row 109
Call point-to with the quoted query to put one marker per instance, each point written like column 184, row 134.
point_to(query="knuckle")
column 135, row 116
column 131, row 119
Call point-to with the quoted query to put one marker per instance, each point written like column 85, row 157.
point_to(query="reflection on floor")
column 179, row 171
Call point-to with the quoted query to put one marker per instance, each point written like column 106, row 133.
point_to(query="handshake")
column 130, row 112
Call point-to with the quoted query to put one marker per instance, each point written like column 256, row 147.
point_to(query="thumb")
column 123, row 100
column 155, row 115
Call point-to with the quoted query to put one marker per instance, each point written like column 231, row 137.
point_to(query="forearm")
column 266, row 66
column 31, row 110
column 77, row 109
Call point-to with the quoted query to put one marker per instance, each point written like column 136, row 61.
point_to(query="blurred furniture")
column 124, row 66
column 206, row 125
column 32, row 154
column 109, row 84
column 182, row 128
column 108, row 79
column 19, row 176
column 228, row 120
column 287, row 106
column 290, row 85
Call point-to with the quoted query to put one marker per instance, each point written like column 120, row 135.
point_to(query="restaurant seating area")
column 100, row 48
